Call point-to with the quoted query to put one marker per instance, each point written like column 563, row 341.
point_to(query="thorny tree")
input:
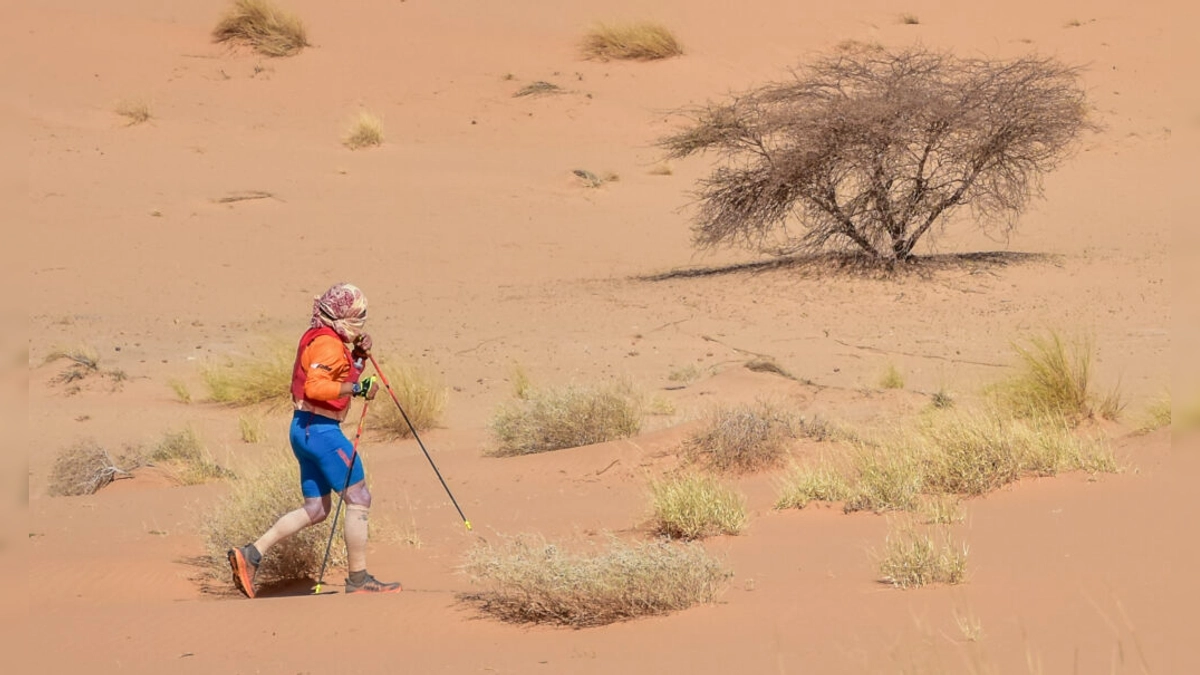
column 869, row 149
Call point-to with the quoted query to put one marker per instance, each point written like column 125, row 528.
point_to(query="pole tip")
column 317, row 589
column 467, row 523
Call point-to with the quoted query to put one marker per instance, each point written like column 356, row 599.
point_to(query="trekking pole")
column 388, row 385
column 341, row 497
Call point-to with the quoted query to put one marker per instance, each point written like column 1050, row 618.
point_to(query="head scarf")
column 343, row 308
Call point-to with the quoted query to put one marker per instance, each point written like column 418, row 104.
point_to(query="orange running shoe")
column 243, row 570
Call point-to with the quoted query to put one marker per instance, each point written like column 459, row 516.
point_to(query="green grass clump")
column 820, row 483
column 251, row 507
column 422, row 395
column 252, row 380
column 186, row 459
column 266, row 28
column 528, row 580
column 694, row 506
column 911, row 558
column 743, row 438
column 566, row 418
column 1055, row 378
column 642, row 41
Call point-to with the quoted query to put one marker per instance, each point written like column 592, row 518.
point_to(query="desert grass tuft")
column 1055, row 378
column 366, row 131
column 83, row 361
column 422, row 395
column 181, row 390
column 941, row 510
column 566, row 418
column 263, row 26
column 84, row 468
column 528, row 580
column 892, row 378
column 186, row 459
column 913, row 558
column 134, row 110
column 521, row 384
column 1158, row 414
column 538, row 88
column 252, row 380
column 819, row 483
column 251, row 507
column 642, row 41
column 766, row 364
column 251, row 428
column 909, row 19
column 889, row 477
column 685, row 374
column 742, row 438
column 694, row 507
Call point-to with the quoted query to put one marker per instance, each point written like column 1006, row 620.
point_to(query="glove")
column 362, row 346
column 367, row 387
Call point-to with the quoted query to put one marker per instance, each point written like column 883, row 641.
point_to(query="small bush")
column 743, row 438
column 641, row 41
column 84, row 468
column 693, row 507
column 264, row 27
column 181, row 390
column 528, row 580
column 186, row 459
column 253, row 380
column 421, row 394
column 888, row 478
column 892, row 378
column 567, row 418
column 1158, row 414
column 136, row 111
column 911, row 559
column 1055, row 378
column 252, row 506
column 251, row 428
column 83, row 360
column 821, row 483
column 366, row 131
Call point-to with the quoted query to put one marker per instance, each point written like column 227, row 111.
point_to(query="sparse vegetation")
column 871, row 149
column 909, row 19
column 252, row 380
column 538, row 88
column 1158, row 414
column 566, row 418
column 84, row 362
column 528, row 580
column 521, row 384
column 252, row 505
column 251, row 428
column 366, row 131
column 913, row 558
column 181, row 390
column 661, row 169
column 742, row 438
column 941, row 399
column 186, row 459
column 420, row 392
column 134, row 110
column 693, row 506
column 941, row 510
column 892, row 378
column 1055, row 378
column 766, row 364
column 263, row 26
column 642, row 41
column 685, row 374
column 84, row 468
column 820, row 483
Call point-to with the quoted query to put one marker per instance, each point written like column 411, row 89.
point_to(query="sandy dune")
column 480, row 249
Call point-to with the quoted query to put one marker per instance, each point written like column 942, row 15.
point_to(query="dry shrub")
column 252, row 506
column 366, row 131
column 912, row 558
column 820, row 483
column 743, row 438
column 941, row 510
column 421, row 394
column 263, row 26
column 84, row 468
column 642, row 41
column 538, row 88
column 83, row 360
column 566, row 418
column 1158, row 414
column 136, row 111
column 969, row 454
column 694, row 506
column 265, row 379
column 181, row 390
column 892, row 378
column 1055, row 378
column 186, row 459
column 528, row 580
column 251, row 428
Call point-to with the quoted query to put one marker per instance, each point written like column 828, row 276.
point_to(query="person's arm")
column 326, row 367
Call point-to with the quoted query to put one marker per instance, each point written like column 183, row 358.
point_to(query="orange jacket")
column 323, row 363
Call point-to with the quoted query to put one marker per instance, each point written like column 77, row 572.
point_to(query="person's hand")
column 362, row 346
column 368, row 387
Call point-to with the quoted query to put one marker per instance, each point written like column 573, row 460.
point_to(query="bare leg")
column 358, row 505
column 315, row 510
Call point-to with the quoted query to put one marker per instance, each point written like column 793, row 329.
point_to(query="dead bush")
column 742, row 438
column 85, row 467
column 263, row 26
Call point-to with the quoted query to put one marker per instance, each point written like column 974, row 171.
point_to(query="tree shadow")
column 861, row 266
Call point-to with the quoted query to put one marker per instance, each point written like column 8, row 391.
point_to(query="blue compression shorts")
column 324, row 454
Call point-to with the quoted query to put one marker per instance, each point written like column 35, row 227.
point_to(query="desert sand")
column 480, row 250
